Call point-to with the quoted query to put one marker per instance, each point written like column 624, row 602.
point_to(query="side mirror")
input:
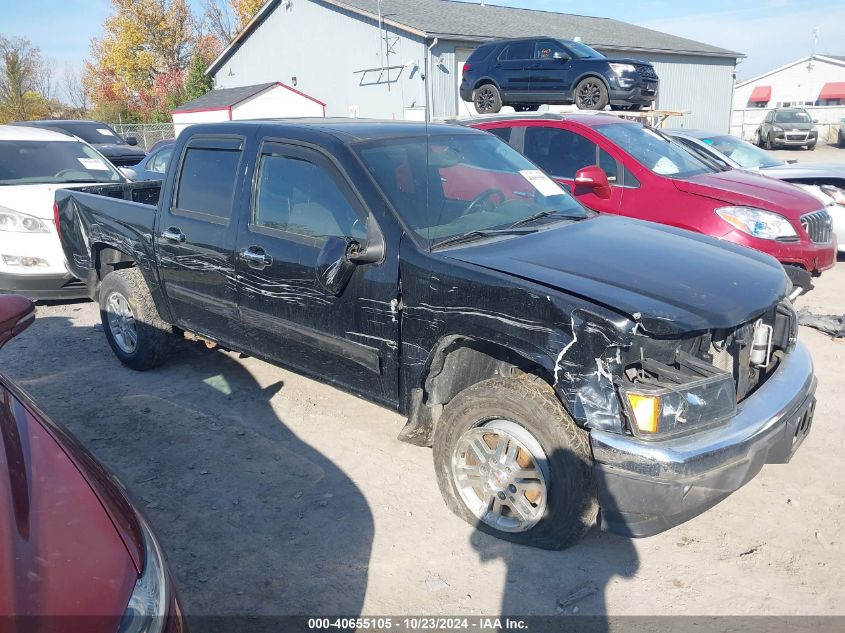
column 815, row 120
column 128, row 172
column 16, row 314
column 595, row 178
column 560, row 57
column 334, row 266
column 131, row 140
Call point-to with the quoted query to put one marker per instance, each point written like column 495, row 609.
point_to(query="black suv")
column 525, row 73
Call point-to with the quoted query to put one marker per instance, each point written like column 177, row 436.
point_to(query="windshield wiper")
column 471, row 236
column 545, row 214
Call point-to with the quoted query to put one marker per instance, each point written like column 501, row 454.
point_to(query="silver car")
column 826, row 181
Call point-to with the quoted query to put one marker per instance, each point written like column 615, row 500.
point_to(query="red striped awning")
column 833, row 90
column 760, row 94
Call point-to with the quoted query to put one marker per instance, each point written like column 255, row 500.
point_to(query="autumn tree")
column 142, row 58
column 226, row 18
column 26, row 82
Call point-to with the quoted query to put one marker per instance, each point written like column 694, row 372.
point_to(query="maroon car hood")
column 60, row 551
column 738, row 187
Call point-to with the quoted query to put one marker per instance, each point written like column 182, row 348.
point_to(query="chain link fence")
column 148, row 134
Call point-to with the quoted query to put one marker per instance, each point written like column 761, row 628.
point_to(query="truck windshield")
column 448, row 186
column 654, row 151
column 49, row 162
column 741, row 152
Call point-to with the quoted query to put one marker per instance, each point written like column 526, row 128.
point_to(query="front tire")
column 768, row 142
column 511, row 461
column 591, row 94
column 136, row 333
column 487, row 99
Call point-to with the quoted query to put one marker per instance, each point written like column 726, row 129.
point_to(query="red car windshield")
column 654, row 151
column 447, row 186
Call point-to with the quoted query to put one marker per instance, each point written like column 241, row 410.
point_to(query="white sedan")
column 33, row 164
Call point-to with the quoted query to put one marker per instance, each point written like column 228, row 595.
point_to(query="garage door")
column 464, row 108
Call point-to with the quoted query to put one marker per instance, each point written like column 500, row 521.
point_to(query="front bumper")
column 647, row 487
column 816, row 258
column 639, row 92
column 51, row 286
column 794, row 139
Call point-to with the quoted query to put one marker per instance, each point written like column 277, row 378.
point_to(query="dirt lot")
column 276, row 494
column 822, row 154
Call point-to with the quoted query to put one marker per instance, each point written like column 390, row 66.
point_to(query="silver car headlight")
column 836, row 194
column 622, row 68
column 757, row 222
column 17, row 222
column 150, row 600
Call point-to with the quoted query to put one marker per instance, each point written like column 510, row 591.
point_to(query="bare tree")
column 74, row 91
column 218, row 19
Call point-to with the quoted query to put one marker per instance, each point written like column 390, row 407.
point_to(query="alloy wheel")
column 501, row 473
column 121, row 322
column 589, row 95
column 485, row 99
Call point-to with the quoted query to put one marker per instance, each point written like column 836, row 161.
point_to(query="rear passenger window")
column 207, row 181
column 561, row 153
column 298, row 196
column 517, row 50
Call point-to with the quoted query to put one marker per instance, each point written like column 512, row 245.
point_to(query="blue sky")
column 770, row 32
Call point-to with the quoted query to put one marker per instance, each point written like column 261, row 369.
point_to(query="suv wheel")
column 136, row 333
column 591, row 94
column 768, row 142
column 511, row 462
column 487, row 99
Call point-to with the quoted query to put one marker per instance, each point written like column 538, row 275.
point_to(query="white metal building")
column 401, row 58
column 266, row 100
column 817, row 80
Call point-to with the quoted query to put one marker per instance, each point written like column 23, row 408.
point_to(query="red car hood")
column 739, row 187
column 60, row 551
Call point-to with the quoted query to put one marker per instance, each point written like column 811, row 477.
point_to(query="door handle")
column 173, row 234
column 256, row 257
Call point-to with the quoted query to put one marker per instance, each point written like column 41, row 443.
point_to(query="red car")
column 71, row 543
column 613, row 165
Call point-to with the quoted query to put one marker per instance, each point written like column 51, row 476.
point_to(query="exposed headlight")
column 148, row 605
column 656, row 411
column 20, row 222
column 758, row 222
column 622, row 68
column 777, row 128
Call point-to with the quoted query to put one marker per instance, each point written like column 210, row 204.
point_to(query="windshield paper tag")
column 542, row 183
column 93, row 163
column 105, row 131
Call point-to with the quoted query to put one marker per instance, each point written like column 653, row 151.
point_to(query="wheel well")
column 483, row 81
column 594, row 76
column 107, row 259
column 457, row 363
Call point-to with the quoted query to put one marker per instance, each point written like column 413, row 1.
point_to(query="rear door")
column 196, row 234
column 561, row 152
column 551, row 70
column 512, row 68
column 300, row 200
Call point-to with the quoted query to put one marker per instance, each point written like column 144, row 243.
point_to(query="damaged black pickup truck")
column 563, row 365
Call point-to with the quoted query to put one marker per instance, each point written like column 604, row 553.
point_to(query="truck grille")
column 818, row 226
column 646, row 71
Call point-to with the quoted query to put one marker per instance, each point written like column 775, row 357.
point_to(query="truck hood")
column 740, row 187
column 110, row 150
column 669, row 280
column 60, row 553
column 35, row 200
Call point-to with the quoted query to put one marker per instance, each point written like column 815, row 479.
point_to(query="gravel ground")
column 276, row 494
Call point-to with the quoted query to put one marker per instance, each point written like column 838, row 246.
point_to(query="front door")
column 195, row 235
column 551, row 71
column 561, row 153
column 301, row 203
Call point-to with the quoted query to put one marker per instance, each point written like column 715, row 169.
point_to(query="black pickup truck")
column 563, row 365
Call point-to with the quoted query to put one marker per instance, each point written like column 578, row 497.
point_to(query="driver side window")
column 298, row 196
column 562, row 153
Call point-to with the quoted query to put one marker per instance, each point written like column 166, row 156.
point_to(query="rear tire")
column 550, row 510
column 487, row 99
column 591, row 94
column 136, row 333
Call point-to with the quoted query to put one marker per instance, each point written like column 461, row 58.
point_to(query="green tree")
column 24, row 81
column 197, row 82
